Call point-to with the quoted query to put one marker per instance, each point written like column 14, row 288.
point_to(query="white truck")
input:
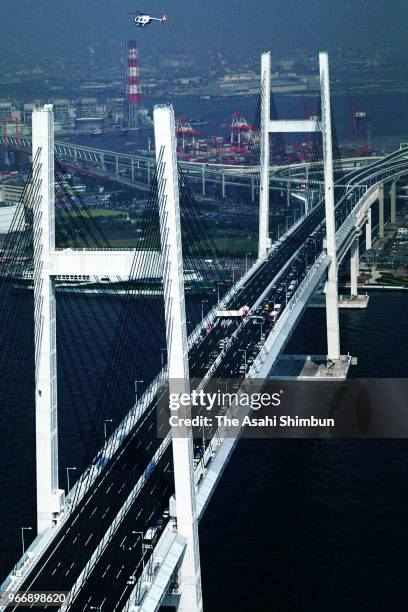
column 274, row 315
column 231, row 314
column 150, row 537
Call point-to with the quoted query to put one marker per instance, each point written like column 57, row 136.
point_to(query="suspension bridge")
column 125, row 536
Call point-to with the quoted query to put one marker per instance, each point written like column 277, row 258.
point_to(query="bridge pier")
column 393, row 194
column 223, row 185
column 354, row 300
column 354, row 266
column 369, row 231
column 203, row 181
column 381, row 212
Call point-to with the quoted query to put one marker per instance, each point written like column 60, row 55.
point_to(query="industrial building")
column 5, row 110
column 10, row 192
column 86, row 107
column 6, row 217
column 246, row 85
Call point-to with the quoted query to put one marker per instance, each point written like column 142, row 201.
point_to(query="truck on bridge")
column 231, row 314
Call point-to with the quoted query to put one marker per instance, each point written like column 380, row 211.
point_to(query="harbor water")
column 301, row 525
column 295, row 525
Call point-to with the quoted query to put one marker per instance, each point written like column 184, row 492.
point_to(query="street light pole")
column 202, row 308
column 141, row 539
column 162, row 356
column 104, row 427
column 69, row 468
column 245, row 356
column 218, row 292
column 136, row 383
column 22, row 539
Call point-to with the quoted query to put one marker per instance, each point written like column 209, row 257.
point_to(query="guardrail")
column 218, row 451
column 39, row 546
column 222, row 444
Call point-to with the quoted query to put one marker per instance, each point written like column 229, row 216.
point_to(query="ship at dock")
column 194, row 282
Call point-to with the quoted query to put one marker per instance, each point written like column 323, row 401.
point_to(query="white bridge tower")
column 50, row 262
column 177, row 350
column 269, row 126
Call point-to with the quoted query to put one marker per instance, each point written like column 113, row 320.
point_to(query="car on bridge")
column 150, row 537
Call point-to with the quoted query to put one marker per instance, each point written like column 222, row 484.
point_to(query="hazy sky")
column 278, row 25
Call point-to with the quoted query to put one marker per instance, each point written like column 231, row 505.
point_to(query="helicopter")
column 142, row 20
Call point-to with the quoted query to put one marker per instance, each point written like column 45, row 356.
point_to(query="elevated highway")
column 94, row 544
column 138, row 170
column 115, row 496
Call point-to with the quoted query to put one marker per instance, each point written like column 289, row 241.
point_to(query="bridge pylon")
column 332, row 294
column 304, row 126
column 177, row 350
column 264, row 240
column 49, row 496
column 50, row 262
column 269, row 126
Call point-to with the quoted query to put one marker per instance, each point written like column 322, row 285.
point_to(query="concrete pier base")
column 345, row 301
column 353, row 301
column 310, row 367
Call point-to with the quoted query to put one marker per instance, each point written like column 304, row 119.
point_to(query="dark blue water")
column 386, row 118
column 302, row 525
column 294, row 525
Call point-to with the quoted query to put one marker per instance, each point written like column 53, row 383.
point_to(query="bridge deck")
column 66, row 557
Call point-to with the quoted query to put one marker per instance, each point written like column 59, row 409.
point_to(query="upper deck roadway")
column 98, row 544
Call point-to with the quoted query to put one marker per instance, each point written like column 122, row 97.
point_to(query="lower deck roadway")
column 98, row 589
column 99, row 580
column 81, row 534
column 254, row 286
column 107, row 587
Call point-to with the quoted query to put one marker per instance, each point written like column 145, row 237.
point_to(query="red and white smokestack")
column 134, row 90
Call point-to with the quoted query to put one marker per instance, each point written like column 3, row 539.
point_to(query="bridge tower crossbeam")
column 269, row 126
